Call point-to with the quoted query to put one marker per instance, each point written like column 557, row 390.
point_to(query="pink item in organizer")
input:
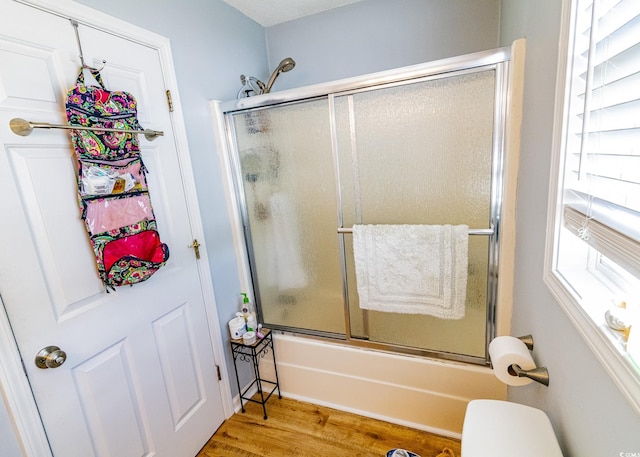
column 103, row 214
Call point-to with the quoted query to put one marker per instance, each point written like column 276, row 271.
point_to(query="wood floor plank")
column 300, row 429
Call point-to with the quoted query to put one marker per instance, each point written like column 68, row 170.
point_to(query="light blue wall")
column 590, row 415
column 376, row 35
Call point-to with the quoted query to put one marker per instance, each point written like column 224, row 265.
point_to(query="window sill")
column 607, row 344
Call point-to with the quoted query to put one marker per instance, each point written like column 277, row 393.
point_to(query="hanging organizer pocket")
column 106, row 214
column 92, row 106
column 130, row 254
column 112, row 185
column 124, row 237
column 104, row 178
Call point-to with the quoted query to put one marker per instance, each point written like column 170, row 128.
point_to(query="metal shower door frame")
column 497, row 60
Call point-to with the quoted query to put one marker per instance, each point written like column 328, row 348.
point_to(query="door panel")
column 104, row 381
column 140, row 377
column 181, row 371
column 37, row 170
column 42, row 89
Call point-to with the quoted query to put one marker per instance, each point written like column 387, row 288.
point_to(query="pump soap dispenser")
column 249, row 314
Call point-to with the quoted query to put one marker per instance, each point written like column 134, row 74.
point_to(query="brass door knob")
column 50, row 357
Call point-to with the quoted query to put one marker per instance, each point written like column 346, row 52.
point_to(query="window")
column 593, row 261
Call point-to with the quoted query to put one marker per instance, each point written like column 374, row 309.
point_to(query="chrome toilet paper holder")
column 527, row 340
column 540, row 374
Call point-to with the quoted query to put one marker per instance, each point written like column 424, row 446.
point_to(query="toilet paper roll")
column 506, row 351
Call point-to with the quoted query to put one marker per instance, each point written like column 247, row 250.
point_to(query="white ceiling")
column 272, row 12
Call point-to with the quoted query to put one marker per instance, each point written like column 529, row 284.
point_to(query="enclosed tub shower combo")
column 426, row 157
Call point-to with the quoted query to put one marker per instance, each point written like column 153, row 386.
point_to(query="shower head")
column 285, row 65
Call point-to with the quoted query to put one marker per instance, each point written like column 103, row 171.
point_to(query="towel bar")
column 488, row 231
column 24, row 128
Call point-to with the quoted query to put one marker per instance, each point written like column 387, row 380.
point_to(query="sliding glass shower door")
column 420, row 151
column 288, row 179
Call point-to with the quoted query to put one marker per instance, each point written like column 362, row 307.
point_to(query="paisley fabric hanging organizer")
column 112, row 187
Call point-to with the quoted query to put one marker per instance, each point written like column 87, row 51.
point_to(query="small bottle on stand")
column 249, row 314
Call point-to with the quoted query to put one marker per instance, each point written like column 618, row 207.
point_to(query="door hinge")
column 169, row 101
column 196, row 248
column 219, row 374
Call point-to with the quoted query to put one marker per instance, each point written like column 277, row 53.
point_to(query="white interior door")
column 139, row 379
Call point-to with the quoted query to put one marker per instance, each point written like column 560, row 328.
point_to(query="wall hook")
column 74, row 23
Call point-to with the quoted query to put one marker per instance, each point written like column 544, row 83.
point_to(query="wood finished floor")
column 299, row 429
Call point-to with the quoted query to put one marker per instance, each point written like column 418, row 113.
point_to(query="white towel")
column 286, row 264
column 412, row 269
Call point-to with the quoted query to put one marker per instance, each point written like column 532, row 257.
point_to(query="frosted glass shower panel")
column 421, row 153
column 288, row 179
column 425, row 145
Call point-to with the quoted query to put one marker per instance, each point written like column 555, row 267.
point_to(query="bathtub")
column 425, row 394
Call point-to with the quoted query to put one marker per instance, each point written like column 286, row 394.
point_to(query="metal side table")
column 252, row 353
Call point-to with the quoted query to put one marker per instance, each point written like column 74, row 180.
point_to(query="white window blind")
column 602, row 170
column 593, row 261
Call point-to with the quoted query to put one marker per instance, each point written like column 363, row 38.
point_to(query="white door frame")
column 14, row 385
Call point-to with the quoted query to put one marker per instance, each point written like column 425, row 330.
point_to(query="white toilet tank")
column 494, row 428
